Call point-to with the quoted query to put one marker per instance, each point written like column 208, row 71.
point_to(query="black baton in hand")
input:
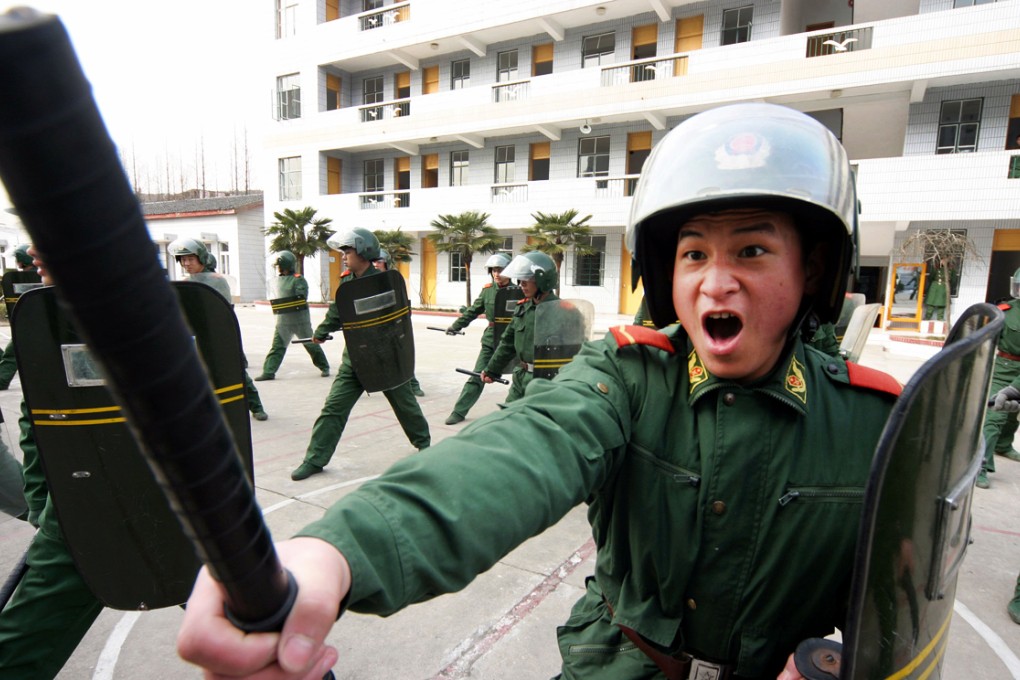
column 476, row 374
column 65, row 179
column 304, row 341
column 444, row 330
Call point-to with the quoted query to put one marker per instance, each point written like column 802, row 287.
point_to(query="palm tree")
column 291, row 232
column 467, row 233
column 554, row 234
column 397, row 244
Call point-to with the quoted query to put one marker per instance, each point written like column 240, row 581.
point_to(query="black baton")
column 443, row 330
column 304, row 341
column 64, row 177
column 476, row 374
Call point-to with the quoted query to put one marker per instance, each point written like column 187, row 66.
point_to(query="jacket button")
column 603, row 388
column 832, row 368
column 718, row 507
column 691, row 604
column 729, row 399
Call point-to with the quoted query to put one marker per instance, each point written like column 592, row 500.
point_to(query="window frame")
column 596, row 154
column 289, row 178
column 958, row 125
column 373, row 175
column 736, row 30
column 458, row 268
column 462, row 80
column 599, row 56
column 460, row 164
column 288, row 96
column 589, row 269
column 507, row 66
column 504, row 164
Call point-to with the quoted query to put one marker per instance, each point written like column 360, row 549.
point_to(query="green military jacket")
column 291, row 320
column 725, row 515
column 331, row 322
column 518, row 338
column 217, row 282
column 484, row 303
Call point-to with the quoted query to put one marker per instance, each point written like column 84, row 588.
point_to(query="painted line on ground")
column 991, row 638
column 111, row 650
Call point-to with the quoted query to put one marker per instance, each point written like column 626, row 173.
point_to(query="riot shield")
column 561, row 327
column 290, row 322
column 376, row 318
column 16, row 283
column 850, row 303
column 857, row 331
column 915, row 526
column 506, row 302
column 124, row 538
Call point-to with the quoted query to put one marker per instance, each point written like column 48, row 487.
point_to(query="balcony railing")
column 381, row 200
column 394, row 109
column 510, row 193
column 616, row 187
column 510, row 92
column 647, row 69
column 385, row 17
column 850, row 40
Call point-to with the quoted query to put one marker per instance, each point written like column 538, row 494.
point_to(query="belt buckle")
column 705, row 670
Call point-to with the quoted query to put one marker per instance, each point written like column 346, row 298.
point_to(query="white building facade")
column 388, row 115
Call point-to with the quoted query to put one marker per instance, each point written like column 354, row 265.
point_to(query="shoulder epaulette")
column 869, row 378
column 522, row 301
column 639, row 335
column 488, row 285
column 346, row 272
column 1004, row 306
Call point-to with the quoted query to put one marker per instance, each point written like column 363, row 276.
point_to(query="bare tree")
column 942, row 250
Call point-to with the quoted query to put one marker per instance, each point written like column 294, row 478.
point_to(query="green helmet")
column 534, row 265
column 189, row 246
column 361, row 241
column 1014, row 285
column 745, row 155
column 500, row 260
column 286, row 261
column 384, row 255
column 21, row 255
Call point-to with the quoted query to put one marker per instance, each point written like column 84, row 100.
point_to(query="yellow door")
column 428, row 273
column 336, row 263
column 629, row 300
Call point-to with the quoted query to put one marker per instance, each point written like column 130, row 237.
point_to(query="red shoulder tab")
column 639, row 335
column 1004, row 306
column 488, row 285
column 522, row 301
column 872, row 379
column 346, row 272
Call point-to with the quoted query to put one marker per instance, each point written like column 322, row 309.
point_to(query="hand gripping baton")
column 477, row 374
column 63, row 175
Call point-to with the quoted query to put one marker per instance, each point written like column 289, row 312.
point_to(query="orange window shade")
column 431, row 161
column 334, row 171
column 1006, row 239
column 540, row 53
column 404, row 79
column 540, row 151
column 689, row 33
column 1014, row 106
column 332, row 10
column 402, row 164
column 430, row 80
column 639, row 141
column 645, row 35
column 332, row 83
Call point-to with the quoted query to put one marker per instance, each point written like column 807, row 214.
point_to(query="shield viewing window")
column 375, row 303
column 80, row 368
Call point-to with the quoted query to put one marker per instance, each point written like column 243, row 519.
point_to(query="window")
column 458, row 270
column 959, row 122
column 588, row 268
column 374, row 179
column 460, row 74
column 506, row 66
column 288, row 97
column 539, row 162
column 332, row 92
column 598, row 49
column 542, row 59
column 508, row 247
column 372, row 89
column 504, row 165
column 286, row 18
column 969, row 3
column 332, row 10
column 1014, row 168
column 458, row 168
column 369, row 5
column 334, row 173
column 736, row 25
column 593, row 157
column 290, row 178
column 224, row 258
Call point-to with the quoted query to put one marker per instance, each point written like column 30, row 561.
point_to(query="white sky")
column 169, row 75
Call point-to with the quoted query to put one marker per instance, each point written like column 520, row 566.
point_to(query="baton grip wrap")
column 65, row 179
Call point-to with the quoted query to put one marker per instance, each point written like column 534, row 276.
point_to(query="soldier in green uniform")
column 290, row 305
column 384, row 263
column 1001, row 420
column 935, row 299
column 8, row 361
column 485, row 303
column 536, row 273
column 1014, row 606
column 722, row 493
column 359, row 247
column 200, row 266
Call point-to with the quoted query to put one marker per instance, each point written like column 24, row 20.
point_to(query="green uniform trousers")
column 50, row 612
column 519, row 381
column 8, row 366
column 279, row 349
column 473, row 387
column 250, row 393
column 1000, row 426
column 343, row 395
column 12, row 485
